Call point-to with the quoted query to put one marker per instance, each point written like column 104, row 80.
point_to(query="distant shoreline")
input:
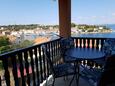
column 94, row 32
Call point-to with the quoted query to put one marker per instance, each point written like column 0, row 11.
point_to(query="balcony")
column 29, row 67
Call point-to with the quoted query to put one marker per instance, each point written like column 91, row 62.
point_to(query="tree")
column 73, row 24
column 4, row 41
column 4, row 49
column 26, row 43
column 4, row 44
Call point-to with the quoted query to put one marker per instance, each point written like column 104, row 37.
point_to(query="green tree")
column 73, row 24
column 4, row 49
column 26, row 43
column 4, row 41
column 4, row 44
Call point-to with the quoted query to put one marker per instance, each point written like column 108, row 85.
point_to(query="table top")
column 84, row 54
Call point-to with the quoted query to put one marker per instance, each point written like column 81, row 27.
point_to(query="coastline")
column 94, row 32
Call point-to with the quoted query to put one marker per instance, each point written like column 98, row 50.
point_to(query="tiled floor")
column 62, row 82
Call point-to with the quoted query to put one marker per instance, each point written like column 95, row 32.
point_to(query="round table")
column 77, row 54
column 83, row 54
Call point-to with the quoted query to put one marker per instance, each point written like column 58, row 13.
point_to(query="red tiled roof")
column 41, row 40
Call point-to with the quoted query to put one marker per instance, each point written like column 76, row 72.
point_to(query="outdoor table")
column 74, row 55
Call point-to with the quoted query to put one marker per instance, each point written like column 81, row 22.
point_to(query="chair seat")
column 90, row 75
column 68, row 59
column 64, row 70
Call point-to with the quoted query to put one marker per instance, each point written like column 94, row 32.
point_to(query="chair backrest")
column 47, row 57
column 109, row 46
column 108, row 75
column 110, row 63
column 66, row 43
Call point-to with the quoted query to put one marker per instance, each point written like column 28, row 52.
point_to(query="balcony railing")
column 29, row 67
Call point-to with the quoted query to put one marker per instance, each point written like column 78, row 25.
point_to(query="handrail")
column 24, row 49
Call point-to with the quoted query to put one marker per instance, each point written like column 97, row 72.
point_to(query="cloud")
column 86, row 17
column 113, row 14
column 94, row 17
column 103, row 17
column 80, row 17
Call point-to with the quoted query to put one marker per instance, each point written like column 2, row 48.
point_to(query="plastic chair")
column 59, row 70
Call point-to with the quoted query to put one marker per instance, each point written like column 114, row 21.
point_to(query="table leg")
column 77, row 73
column 73, row 75
column 71, row 80
column 76, row 65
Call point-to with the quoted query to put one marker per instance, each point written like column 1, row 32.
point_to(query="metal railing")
column 29, row 67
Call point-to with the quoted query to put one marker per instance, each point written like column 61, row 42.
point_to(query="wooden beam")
column 65, row 18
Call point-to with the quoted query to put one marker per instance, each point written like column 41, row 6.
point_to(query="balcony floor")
column 62, row 82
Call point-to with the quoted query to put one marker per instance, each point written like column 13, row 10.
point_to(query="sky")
column 46, row 12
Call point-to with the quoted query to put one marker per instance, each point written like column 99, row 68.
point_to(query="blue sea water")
column 112, row 26
column 102, row 35
column 31, row 36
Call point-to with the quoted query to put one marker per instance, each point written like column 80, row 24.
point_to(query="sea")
column 102, row 35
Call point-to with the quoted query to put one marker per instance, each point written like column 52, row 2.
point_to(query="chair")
column 92, row 75
column 58, row 70
column 107, row 77
column 65, row 44
column 108, row 48
column 103, row 76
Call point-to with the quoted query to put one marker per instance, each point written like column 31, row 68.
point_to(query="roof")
column 41, row 40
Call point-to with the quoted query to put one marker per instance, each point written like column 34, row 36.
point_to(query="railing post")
column 0, row 81
column 37, row 67
column 7, row 74
column 27, row 67
column 97, row 43
column 32, row 65
column 40, row 63
column 21, row 68
column 14, row 70
column 88, row 43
